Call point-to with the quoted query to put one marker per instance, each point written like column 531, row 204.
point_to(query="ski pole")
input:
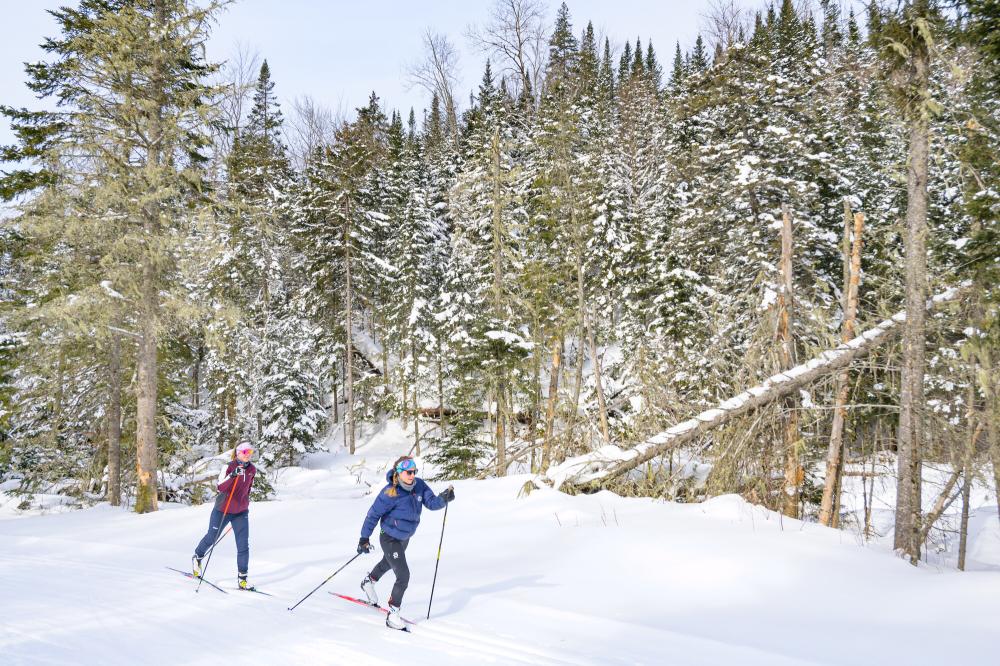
column 224, row 513
column 326, row 581
column 434, row 582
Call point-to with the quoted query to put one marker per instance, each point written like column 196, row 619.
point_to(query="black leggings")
column 393, row 557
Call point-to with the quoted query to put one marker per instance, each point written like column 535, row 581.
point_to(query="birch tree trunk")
column 910, row 444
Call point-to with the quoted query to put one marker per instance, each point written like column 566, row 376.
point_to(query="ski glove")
column 448, row 494
column 364, row 546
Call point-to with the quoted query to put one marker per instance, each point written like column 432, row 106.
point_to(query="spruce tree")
column 129, row 79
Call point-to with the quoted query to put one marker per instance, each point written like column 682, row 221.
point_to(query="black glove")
column 364, row 546
column 448, row 494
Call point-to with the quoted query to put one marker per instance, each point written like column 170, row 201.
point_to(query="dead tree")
column 834, row 454
column 792, row 441
column 437, row 73
column 590, row 472
column 517, row 39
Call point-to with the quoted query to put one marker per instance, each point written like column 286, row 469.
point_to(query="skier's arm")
column 226, row 480
column 432, row 501
column 379, row 507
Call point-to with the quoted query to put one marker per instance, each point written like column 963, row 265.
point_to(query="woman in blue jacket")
column 397, row 508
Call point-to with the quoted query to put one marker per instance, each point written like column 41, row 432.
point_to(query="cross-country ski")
column 198, row 578
column 368, row 604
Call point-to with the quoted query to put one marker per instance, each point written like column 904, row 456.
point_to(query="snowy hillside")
column 543, row 579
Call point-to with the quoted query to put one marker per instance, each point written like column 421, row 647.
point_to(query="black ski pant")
column 241, row 530
column 393, row 557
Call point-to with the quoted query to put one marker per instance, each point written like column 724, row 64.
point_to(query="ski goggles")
column 246, row 449
column 409, row 466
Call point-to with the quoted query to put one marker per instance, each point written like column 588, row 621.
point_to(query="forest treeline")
column 604, row 242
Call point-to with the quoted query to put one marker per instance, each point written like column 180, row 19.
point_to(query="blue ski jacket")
column 400, row 515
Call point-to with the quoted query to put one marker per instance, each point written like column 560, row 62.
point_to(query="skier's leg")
column 241, row 530
column 215, row 524
column 395, row 555
column 383, row 564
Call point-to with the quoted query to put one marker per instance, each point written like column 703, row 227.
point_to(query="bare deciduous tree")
column 310, row 126
column 437, row 73
column 723, row 20
column 515, row 39
column 236, row 78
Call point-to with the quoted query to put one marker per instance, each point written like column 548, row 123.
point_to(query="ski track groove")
column 466, row 639
column 466, row 635
column 473, row 641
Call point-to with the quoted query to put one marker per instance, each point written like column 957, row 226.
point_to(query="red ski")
column 362, row 602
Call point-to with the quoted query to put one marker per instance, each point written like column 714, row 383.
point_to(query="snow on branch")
column 589, row 471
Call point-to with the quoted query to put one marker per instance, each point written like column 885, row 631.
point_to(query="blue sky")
column 338, row 52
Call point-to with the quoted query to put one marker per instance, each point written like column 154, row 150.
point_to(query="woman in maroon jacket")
column 232, row 505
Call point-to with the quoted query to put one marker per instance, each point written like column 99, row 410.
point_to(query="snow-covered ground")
column 542, row 579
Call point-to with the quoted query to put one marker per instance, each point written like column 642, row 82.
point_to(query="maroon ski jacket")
column 241, row 494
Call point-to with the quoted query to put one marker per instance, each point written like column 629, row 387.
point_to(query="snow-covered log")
column 590, row 471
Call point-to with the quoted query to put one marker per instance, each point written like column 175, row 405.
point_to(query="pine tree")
column 677, row 71
column 344, row 236
column 479, row 291
column 698, row 59
column 606, row 77
column 625, row 64
column 652, row 68
column 589, row 64
column 638, row 65
column 129, row 79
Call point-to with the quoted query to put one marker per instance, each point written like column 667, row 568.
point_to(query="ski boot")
column 393, row 619
column 241, row 580
column 196, row 566
column 368, row 587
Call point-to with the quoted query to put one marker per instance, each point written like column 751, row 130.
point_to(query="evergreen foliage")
column 629, row 221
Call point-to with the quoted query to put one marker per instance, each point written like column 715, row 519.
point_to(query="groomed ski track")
column 545, row 579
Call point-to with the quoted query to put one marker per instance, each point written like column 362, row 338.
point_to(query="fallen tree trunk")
column 593, row 470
